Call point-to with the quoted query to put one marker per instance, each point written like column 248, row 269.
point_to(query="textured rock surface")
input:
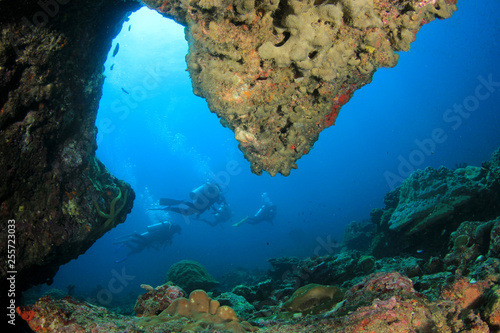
column 157, row 299
column 313, row 298
column 382, row 302
column 278, row 72
column 420, row 215
column 61, row 197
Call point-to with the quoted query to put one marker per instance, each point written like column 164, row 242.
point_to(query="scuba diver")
column 267, row 212
column 202, row 198
column 222, row 213
column 157, row 235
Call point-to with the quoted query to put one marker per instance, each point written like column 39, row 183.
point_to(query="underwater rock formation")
column 59, row 197
column 190, row 275
column 421, row 213
column 313, row 298
column 157, row 299
column 205, row 310
column 453, row 287
column 278, row 72
column 195, row 314
column 381, row 302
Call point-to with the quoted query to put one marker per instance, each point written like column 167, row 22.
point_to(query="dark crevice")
column 286, row 35
column 282, row 11
column 279, row 111
column 285, row 128
column 297, row 73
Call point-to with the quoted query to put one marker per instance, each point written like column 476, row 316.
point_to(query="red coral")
column 338, row 102
column 27, row 315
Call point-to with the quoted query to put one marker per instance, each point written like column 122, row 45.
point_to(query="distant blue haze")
column 164, row 141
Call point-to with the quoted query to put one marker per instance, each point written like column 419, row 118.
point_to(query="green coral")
column 113, row 211
column 190, row 275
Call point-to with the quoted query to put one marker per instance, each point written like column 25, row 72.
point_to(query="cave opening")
column 156, row 135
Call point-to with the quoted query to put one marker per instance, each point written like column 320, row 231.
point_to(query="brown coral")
column 278, row 72
column 206, row 311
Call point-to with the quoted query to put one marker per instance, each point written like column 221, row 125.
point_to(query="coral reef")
column 205, row 310
column 157, row 299
column 198, row 313
column 190, row 275
column 239, row 304
column 313, row 298
column 449, row 288
column 50, row 82
column 278, row 72
column 421, row 213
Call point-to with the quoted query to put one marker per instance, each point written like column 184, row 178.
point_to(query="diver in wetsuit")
column 202, row 198
column 267, row 212
column 221, row 213
column 157, row 235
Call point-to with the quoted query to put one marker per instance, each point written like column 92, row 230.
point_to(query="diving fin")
column 237, row 224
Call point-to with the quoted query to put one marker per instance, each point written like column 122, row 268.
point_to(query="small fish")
column 112, row 66
column 117, row 48
column 126, row 92
column 420, row 251
column 129, row 27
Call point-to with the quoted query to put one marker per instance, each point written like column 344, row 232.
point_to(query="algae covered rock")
column 191, row 275
column 277, row 73
column 51, row 63
column 430, row 204
column 157, row 299
column 313, row 298
column 238, row 303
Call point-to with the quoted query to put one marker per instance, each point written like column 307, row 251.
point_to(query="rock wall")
column 56, row 197
column 278, row 72
column 420, row 215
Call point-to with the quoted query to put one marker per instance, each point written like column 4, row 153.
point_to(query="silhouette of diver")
column 267, row 212
column 202, row 198
column 157, row 235
column 222, row 213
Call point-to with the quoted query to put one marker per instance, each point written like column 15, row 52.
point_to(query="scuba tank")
column 205, row 195
column 157, row 226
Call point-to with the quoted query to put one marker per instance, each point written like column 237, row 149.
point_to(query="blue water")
column 164, row 141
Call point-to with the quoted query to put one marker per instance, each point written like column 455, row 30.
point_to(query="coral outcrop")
column 191, row 275
column 157, row 299
column 421, row 213
column 313, row 298
column 60, row 196
column 278, row 72
column 196, row 314
column 207, row 311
